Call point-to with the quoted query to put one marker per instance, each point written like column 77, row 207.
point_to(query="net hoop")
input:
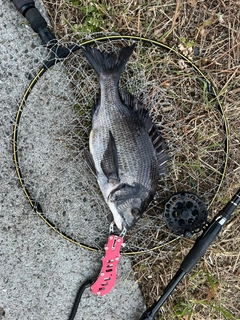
column 48, row 64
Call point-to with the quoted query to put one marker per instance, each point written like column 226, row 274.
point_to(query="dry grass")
column 212, row 289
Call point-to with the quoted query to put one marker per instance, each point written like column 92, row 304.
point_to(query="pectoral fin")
column 109, row 163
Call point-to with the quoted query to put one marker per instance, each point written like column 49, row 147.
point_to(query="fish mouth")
column 125, row 225
column 120, row 220
column 121, row 223
column 129, row 226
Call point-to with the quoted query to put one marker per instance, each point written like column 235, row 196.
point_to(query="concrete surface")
column 40, row 272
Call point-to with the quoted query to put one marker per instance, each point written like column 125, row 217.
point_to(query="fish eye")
column 135, row 212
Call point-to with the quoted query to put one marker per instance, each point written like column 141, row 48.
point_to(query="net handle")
column 38, row 23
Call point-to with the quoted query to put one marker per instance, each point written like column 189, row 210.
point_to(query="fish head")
column 128, row 203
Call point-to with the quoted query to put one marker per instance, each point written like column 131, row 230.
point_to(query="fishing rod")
column 195, row 254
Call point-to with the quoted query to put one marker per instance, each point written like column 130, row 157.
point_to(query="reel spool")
column 185, row 213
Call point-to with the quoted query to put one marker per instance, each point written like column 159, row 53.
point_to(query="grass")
column 212, row 289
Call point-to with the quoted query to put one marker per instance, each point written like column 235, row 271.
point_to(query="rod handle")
column 200, row 246
column 38, row 23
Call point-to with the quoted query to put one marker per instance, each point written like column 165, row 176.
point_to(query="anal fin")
column 89, row 159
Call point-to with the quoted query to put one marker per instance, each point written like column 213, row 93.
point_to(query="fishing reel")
column 185, row 214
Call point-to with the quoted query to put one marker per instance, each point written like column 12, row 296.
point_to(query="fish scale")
column 122, row 153
column 128, row 160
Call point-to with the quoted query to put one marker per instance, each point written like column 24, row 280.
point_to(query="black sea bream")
column 127, row 153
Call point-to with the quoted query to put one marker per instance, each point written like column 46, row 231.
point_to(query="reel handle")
column 38, row 23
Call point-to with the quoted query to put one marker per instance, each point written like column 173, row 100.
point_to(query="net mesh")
column 55, row 127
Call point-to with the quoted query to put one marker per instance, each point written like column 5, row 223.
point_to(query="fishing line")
column 80, row 78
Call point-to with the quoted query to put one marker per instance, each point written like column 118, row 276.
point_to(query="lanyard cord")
column 82, row 288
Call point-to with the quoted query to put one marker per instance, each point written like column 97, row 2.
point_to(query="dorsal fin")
column 160, row 146
column 133, row 103
column 158, row 141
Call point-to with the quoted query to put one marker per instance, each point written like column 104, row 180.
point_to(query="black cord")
column 85, row 285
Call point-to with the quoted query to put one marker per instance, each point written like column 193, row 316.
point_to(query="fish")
column 127, row 153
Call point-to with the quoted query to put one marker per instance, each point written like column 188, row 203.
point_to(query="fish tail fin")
column 108, row 63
